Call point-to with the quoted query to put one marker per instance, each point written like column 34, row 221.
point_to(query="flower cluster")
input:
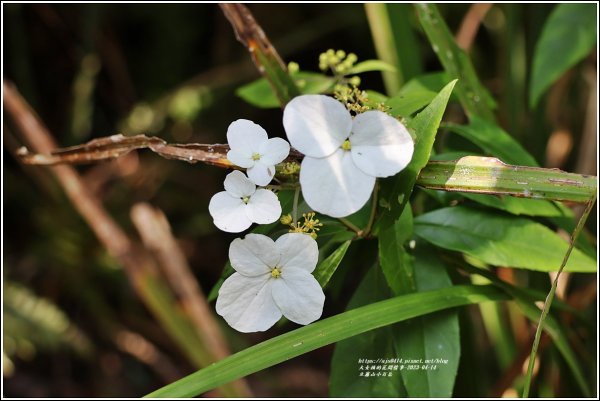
column 343, row 156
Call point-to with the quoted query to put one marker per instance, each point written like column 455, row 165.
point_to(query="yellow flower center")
column 245, row 199
column 255, row 156
column 275, row 272
column 347, row 145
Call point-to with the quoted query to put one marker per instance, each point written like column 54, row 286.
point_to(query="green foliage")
column 395, row 191
column 568, row 36
column 499, row 240
column 326, row 331
column 494, row 141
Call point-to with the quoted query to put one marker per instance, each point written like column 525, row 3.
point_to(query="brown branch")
column 249, row 33
column 111, row 147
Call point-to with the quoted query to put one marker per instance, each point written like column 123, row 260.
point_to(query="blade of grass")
column 473, row 96
column 327, row 331
column 395, row 42
column 548, row 303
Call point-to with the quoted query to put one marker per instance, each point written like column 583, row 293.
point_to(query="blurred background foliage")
column 73, row 326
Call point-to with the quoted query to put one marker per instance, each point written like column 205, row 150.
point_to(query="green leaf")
column 473, row 96
column 494, row 140
column 371, row 65
column 416, row 94
column 395, row 262
column 568, row 36
column 429, row 337
column 522, row 206
column 432, row 337
column 327, row 267
column 395, row 191
column 499, row 239
column 324, row 332
column 377, row 344
column 259, row 93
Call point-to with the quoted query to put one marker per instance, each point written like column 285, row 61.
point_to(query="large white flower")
column 271, row 279
column 251, row 148
column 343, row 155
column 241, row 204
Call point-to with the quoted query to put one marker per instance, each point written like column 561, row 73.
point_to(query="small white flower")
column 343, row 155
column 271, row 279
column 241, row 204
column 251, row 148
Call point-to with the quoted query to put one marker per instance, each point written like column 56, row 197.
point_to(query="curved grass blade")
column 324, row 332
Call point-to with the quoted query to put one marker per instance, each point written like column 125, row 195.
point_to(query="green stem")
column 295, row 206
column 367, row 229
column 351, row 226
column 550, row 297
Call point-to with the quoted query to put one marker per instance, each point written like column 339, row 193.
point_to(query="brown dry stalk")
column 138, row 263
column 156, row 234
column 470, row 25
column 249, row 33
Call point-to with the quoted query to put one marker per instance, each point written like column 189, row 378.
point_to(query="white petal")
column 334, row 185
column 299, row 296
column 263, row 207
column 228, row 213
column 247, row 303
column 274, row 151
column 316, row 125
column 298, row 251
column 245, row 136
column 238, row 185
column 261, row 174
column 240, row 158
column 254, row 255
column 381, row 145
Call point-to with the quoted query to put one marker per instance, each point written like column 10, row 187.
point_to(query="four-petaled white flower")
column 241, row 204
column 271, row 279
column 343, row 156
column 251, row 148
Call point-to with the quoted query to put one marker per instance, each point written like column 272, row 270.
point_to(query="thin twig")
column 369, row 226
column 550, row 297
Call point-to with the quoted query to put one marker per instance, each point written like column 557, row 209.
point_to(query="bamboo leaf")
column 499, row 240
column 395, row 191
column 345, row 380
column 570, row 32
column 473, row 96
column 494, row 140
column 324, row 332
column 432, row 337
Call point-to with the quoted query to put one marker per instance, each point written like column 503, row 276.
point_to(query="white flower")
column 251, row 148
column 271, row 279
column 343, row 155
column 241, row 204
